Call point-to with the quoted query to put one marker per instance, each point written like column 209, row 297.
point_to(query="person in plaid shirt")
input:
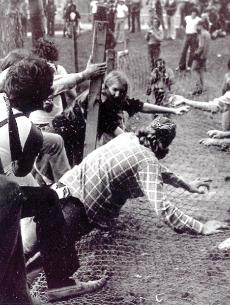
column 93, row 192
column 128, row 167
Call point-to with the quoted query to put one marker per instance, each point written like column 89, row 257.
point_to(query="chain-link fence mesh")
column 148, row 263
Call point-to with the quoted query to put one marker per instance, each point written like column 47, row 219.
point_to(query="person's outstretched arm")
column 150, row 108
column 215, row 142
column 65, row 82
column 217, row 105
column 218, row 134
column 151, row 184
column 194, row 186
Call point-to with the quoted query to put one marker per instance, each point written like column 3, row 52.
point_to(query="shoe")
column 79, row 288
column 197, row 92
column 188, row 69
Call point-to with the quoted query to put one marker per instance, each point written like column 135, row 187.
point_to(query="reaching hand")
column 216, row 134
column 95, row 70
column 177, row 100
column 194, row 186
column 214, row 226
column 209, row 142
column 181, row 110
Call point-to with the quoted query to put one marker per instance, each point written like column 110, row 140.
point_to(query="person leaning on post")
column 114, row 100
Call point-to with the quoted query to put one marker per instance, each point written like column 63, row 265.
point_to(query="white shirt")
column 93, row 5
column 122, row 11
column 191, row 24
column 43, row 117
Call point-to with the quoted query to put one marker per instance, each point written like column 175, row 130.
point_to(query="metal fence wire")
column 148, row 263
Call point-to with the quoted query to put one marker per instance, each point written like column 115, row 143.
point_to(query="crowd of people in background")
column 42, row 130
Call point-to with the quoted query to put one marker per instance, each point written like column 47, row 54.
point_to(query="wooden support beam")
column 98, row 55
column 110, row 60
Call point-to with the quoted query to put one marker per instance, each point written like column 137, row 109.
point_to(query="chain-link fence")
column 148, row 263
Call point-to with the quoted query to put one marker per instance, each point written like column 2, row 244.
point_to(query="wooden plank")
column 110, row 60
column 98, row 55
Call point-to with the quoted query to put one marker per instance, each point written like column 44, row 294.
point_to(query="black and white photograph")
column 114, row 152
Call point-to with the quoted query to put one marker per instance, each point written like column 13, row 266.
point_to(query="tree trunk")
column 11, row 36
column 37, row 19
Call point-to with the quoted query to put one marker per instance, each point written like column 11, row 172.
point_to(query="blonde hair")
column 116, row 76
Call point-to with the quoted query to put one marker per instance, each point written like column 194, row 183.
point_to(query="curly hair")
column 46, row 49
column 28, row 83
column 13, row 57
column 161, row 129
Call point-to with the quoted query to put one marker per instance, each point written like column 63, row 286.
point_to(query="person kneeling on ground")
column 128, row 167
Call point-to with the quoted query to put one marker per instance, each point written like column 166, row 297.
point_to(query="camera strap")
column 14, row 139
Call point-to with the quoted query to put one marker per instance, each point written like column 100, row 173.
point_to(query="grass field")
column 149, row 263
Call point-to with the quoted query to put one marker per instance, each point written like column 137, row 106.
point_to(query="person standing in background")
column 50, row 11
column 121, row 16
column 135, row 15
column 170, row 8
column 155, row 10
column 128, row 4
column 185, row 10
column 154, row 37
column 191, row 41
column 93, row 10
column 24, row 17
column 200, row 56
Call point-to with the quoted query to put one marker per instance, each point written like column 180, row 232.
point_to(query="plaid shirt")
column 120, row 170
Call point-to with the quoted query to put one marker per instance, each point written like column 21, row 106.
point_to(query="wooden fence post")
column 98, row 55
column 110, row 60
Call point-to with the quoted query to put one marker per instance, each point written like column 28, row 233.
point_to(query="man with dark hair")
column 27, row 84
column 53, row 106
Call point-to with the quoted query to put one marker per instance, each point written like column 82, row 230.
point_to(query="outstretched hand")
column 216, row 134
column 214, row 226
column 177, row 100
column 195, row 186
column 181, row 110
column 209, row 142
